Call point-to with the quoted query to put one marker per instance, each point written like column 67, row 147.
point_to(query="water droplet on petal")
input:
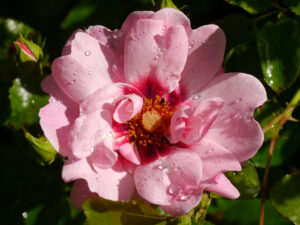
column 174, row 189
column 184, row 197
column 91, row 74
column 75, row 73
column 156, row 57
column 195, row 97
column 71, row 82
column 25, row 215
column 110, row 134
column 174, row 77
column 87, row 53
column 92, row 149
column 238, row 100
column 209, row 151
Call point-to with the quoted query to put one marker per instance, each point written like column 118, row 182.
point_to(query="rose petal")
column 235, row 128
column 129, row 153
column 81, row 193
column 215, row 158
column 205, row 56
column 88, row 131
column 113, row 183
column 84, row 71
column 222, row 186
column 133, row 17
column 56, row 117
column 180, row 171
column 172, row 17
column 179, row 208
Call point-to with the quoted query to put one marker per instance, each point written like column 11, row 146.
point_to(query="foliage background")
column 263, row 39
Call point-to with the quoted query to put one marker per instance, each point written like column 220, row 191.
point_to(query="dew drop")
column 294, row 218
column 114, row 68
column 25, row 215
column 70, row 82
column 209, row 151
column 184, row 197
column 92, row 149
column 110, row 134
column 238, row 100
column 156, row 57
column 174, row 189
column 75, row 73
column 160, row 167
column 234, row 173
column 174, row 77
column 91, row 74
column 32, row 101
column 195, row 97
column 87, row 53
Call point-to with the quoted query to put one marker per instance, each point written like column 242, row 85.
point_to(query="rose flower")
column 146, row 111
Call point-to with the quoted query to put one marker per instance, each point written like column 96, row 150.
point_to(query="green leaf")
column 253, row 6
column 246, row 212
column 168, row 4
column 294, row 5
column 80, row 13
column 160, row 4
column 285, row 197
column 25, row 104
column 101, row 211
column 246, row 181
column 286, row 146
column 45, row 153
column 279, row 50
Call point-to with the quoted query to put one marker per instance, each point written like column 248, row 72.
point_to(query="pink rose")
column 147, row 111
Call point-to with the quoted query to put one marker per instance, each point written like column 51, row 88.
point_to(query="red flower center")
column 151, row 124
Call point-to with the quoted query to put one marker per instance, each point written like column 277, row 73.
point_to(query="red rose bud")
column 27, row 55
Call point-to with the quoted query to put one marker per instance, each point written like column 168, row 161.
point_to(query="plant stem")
column 201, row 210
column 280, row 121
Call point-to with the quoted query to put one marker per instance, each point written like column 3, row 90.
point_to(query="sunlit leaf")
column 135, row 212
column 45, row 153
column 294, row 5
column 25, row 105
column 285, row 197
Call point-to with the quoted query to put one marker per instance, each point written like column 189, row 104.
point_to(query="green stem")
column 201, row 210
column 280, row 121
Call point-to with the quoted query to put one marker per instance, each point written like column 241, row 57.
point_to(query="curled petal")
column 127, row 108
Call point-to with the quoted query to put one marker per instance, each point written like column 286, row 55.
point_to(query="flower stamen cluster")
column 151, row 124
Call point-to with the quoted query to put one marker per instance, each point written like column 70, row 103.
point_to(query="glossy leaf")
column 25, row 104
column 279, row 50
column 285, row 197
column 246, row 181
column 45, row 153
column 294, row 5
column 101, row 211
column 253, row 6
